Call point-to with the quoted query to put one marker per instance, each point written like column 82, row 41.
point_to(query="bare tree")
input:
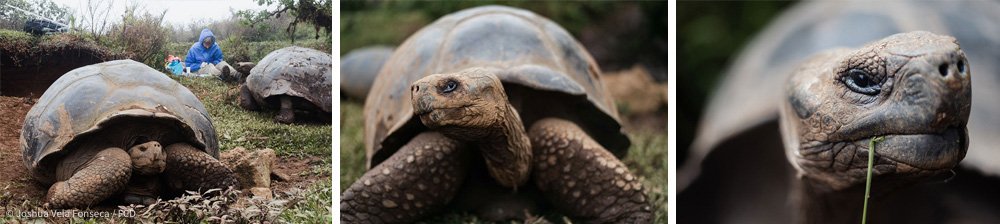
column 95, row 16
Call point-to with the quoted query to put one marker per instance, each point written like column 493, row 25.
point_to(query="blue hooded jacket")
column 198, row 53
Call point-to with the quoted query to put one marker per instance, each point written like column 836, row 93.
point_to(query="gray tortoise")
column 120, row 128
column 742, row 121
column 295, row 80
column 358, row 69
column 490, row 110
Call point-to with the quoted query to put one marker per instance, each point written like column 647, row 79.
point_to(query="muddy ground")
column 22, row 187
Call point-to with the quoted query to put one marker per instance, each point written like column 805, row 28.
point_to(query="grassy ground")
column 239, row 128
column 303, row 154
column 647, row 158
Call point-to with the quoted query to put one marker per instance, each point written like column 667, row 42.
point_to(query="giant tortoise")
column 737, row 172
column 295, row 80
column 489, row 109
column 120, row 128
column 358, row 69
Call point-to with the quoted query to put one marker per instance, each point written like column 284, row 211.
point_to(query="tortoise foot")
column 584, row 180
column 189, row 168
column 246, row 100
column 285, row 117
column 287, row 114
column 142, row 189
column 106, row 174
column 421, row 178
column 137, row 199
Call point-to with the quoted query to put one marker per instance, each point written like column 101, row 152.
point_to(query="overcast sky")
column 179, row 12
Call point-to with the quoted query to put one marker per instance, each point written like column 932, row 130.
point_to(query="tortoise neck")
column 507, row 150
column 823, row 205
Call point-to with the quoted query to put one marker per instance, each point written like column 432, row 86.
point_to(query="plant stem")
column 868, row 183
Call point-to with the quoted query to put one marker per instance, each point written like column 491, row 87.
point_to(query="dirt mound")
column 15, row 175
column 30, row 64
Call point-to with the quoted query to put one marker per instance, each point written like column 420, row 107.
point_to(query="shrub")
column 140, row 35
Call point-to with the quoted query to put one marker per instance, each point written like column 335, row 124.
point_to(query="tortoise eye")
column 450, row 86
column 861, row 82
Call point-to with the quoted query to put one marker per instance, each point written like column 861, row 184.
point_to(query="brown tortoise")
column 508, row 107
column 100, row 131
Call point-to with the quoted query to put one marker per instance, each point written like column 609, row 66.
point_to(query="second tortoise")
column 294, row 80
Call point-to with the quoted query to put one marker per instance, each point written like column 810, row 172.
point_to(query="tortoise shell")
column 359, row 67
column 525, row 50
column 91, row 98
column 293, row 71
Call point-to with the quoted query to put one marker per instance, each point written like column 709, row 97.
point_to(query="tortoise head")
column 913, row 89
column 465, row 105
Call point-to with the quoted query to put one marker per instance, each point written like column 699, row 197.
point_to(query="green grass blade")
column 868, row 183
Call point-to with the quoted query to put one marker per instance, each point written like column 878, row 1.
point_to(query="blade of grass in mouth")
column 868, row 183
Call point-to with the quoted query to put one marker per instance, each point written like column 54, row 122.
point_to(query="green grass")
column 314, row 207
column 647, row 158
column 15, row 38
column 239, row 128
column 352, row 146
column 256, row 129
column 868, row 182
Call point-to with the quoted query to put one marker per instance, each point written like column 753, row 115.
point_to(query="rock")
column 253, row 169
column 636, row 90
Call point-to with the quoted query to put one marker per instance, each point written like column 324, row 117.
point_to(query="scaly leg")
column 582, row 179
column 191, row 169
column 421, row 178
column 246, row 100
column 286, row 114
column 103, row 175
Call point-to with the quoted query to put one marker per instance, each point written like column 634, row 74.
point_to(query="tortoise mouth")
column 931, row 151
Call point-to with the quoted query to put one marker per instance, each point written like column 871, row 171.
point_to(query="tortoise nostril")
column 943, row 69
column 415, row 88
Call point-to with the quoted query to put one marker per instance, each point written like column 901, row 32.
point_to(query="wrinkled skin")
column 468, row 113
column 471, row 106
column 148, row 158
column 94, row 173
column 913, row 89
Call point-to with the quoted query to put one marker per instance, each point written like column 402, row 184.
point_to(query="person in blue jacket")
column 205, row 57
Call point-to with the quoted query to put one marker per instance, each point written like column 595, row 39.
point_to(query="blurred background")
column 709, row 35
